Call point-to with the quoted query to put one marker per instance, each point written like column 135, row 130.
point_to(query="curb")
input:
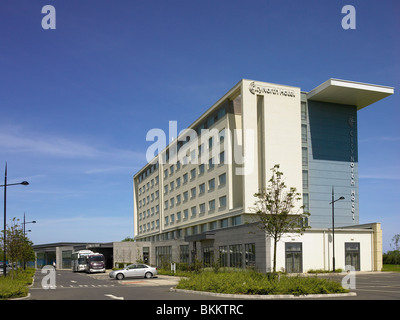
column 266, row 297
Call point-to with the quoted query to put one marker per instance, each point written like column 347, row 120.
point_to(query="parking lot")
column 69, row 285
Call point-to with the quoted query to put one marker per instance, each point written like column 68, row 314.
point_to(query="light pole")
column 25, row 234
column 333, row 226
column 5, row 185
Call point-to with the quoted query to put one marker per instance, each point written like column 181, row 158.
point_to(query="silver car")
column 134, row 270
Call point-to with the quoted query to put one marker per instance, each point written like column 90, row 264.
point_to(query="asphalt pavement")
column 81, row 286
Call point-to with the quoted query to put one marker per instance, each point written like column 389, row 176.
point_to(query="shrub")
column 18, row 286
column 250, row 282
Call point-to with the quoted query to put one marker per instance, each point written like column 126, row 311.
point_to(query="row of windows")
column 193, row 230
column 201, row 209
column 148, row 185
column 206, row 124
column 211, row 163
column 202, row 187
column 229, row 256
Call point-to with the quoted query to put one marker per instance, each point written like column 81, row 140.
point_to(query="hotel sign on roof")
column 258, row 89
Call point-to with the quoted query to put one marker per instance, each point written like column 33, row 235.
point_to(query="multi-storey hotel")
column 194, row 198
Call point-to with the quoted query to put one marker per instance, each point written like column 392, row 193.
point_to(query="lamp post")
column 5, row 185
column 25, row 234
column 333, row 226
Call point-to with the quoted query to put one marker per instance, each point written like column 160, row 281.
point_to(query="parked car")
column 134, row 270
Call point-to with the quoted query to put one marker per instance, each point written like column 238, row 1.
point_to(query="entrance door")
column 294, row 257
column 352, row 254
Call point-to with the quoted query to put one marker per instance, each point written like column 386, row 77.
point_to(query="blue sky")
column 76, row 102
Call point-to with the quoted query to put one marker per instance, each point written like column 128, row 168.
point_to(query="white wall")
column 317, row 249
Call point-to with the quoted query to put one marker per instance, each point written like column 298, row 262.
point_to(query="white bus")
column 79, row 260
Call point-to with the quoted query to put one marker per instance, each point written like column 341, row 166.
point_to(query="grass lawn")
column 391, row 267
column 248, row 282
column 18, row 286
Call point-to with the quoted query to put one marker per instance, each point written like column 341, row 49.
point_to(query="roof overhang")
column 349, row 92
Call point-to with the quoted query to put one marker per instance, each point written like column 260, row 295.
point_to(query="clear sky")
column 76, row 102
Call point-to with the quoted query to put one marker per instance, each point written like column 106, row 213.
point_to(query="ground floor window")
column 352, row 254
column 184, row 253
column 250, row 254
column 66, row 259
column 208, row 256
column 294, row 257
column 146, row 254
column 223, row 256
column 235, row 255
column 163, row 256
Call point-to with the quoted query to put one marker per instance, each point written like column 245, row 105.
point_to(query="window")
column 166, row 220
column 165, row 204
column 213, row 225
column 294, row 257
column 201, row 169
column 163, row 255
column 202, row 208
column 222, row 202
column 192, row 174
column 178, row 165
column 236, row 220
column 193, row 192
column 222, row 135
column 224, row 223
column 172, row 218
column 305, row 179
column 303, row 133
column 210, row 143
column 171, row 186
column 211, row 164
column 250, row 254
column 165, row 173
column 222, row 179
column 184, row 253
column 172, row 202
column 185, row 178
column 235, row 255
column 165, row 189
column 178, row 216
column 223, row 255
column 171, row 170
column 193, row 211
column 178, row 199
column 202, row 188
column 208, row 256
column 211, row 205
column 222, row 157
column 185, row 213
column 185, row 196
column 304, row 154
column 211, row 184
column 178, row 182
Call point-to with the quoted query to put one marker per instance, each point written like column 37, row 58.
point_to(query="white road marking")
column 114, row 297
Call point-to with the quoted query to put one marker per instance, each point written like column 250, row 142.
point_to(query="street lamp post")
column 25, row 234
column 333, row 226
column 5, row 185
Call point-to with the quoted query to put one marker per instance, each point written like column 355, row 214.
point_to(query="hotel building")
column 194, row 198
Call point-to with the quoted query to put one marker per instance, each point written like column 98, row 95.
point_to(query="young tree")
column 18, row 246
column 276, row 211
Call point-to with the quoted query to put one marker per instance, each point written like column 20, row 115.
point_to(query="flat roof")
column 349, row 92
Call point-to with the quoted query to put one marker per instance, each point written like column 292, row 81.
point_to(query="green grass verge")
column 18, row 286
column 257, row 283
column 391, row 267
